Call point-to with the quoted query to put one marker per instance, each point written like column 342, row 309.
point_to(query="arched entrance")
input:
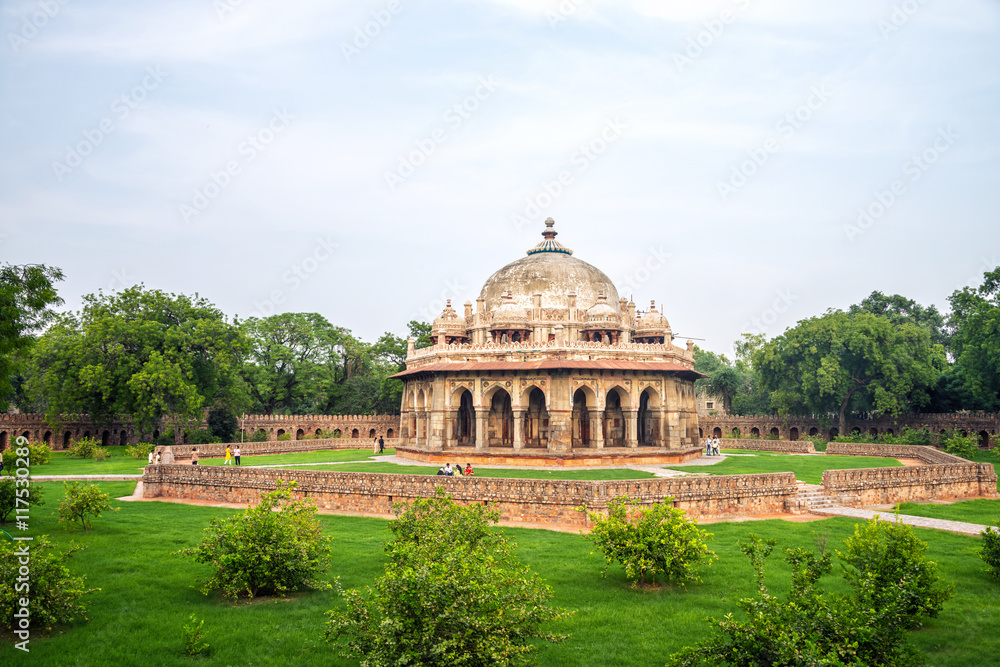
column 536, row 422
column 122, row 438
column 465, row 421
column 355, row 433
column 371, row 433
column 581, row 419
column 105, row 437
column 716, row 432
column 814, row 431
column 755, row 432
column 614, row 421
column 390, row 433
column 500, row 423
column 834, row 432
column 649, row 419
column 65, row 440
column 775, row 433
column 3, row 440
column 47, row 437
column 984, row 440
column 793, row 433
column 280, row 433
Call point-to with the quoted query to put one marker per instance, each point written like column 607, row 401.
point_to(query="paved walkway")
column 917, row 521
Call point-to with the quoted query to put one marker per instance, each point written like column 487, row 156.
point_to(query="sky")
column 747, row 163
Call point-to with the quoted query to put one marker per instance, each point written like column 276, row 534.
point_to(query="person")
column 157, row 459
column 458, row 469
column 441, row 471
column 468, row 470
column 381, row 445
column 151, row 457
column 229, row 457
column 447, row 470
column 374, row 445
column 708, row 446
column 237, row 454
column 194, row 456
column 715, row 446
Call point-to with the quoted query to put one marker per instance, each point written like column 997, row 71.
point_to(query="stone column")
column 631, row 418
column 451, row 428
column 481, row 417
column 518, row 429
column 596, row 429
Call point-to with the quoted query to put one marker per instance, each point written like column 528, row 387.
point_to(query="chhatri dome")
column 550, row 269
column 550, row 367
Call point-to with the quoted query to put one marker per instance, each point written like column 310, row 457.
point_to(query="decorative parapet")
column 928, row 455
column 787, row 446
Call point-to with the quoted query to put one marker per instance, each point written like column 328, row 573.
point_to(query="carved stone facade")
column 551, row 368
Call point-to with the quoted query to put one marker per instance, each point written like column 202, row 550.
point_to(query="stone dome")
column 652, row 322
column 509, row 313
column 551, row 270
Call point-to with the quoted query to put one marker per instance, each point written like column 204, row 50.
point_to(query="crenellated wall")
column 787, row 446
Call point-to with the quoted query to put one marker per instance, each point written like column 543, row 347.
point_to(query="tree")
column 81, row 501
column 453, row 593
column 649, row 541
column 893, row 588
column 829, row 363
column 976, row 342
column 990, row 551
column 27, row 295
column 11, row 490
column 900, row 310
column 272, row 548
column 222, row 423
column 55, row 592
column 143, row 353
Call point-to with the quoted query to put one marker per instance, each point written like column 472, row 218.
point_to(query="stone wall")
column 786, row 446
column 883, row 486
column 927, row 455
column 528, row 501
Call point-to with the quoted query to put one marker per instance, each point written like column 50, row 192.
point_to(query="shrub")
column 260, row 435
column 194, row 644
column 11, row 489
column 967, row 447
column 274, row 547
column 38, row 454
column 200, row 436
column 893, row 588
column 139, row 451
column 453, row 593
column 83, row 448
column 166, row 439
column 649, row 541
column 82, row 501
column 919, row 437
column 101, row 454
column 990, row 551
column 285, row 437
column 54, row 591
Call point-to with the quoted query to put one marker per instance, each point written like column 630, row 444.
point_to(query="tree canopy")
column 975, row 318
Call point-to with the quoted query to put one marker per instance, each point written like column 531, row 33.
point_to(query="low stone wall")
column 883, row 486
column 928, row 455
column 530, row 501
column 786, row 446
column 507, row 456
column 218, row 450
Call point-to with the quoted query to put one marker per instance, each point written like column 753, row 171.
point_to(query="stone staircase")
column 811, row 498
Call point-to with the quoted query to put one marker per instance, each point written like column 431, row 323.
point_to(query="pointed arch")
column 536, row 418
column 649, row 418
column 500, row 421
column 615, row 429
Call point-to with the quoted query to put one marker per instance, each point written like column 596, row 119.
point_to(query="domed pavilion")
column 551, row 368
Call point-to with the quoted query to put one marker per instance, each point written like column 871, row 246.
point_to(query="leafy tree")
column 38, row 454
column 272, row 548
column 222, row 423
column 967, row 447
column 976, row 342
column 81, row 501
column 829, row 363
column 55, row 592
column 900, row 310
column 11, row 489
column 893, row 587
column 990, row 551
column 650, row 541
column 453, row 593
column 143, row 353
column 27, row 295
column 83, row 448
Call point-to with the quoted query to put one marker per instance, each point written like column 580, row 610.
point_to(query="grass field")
column 147, row 594
column 510, row 473
column 323, row 456
column 807, row 468
column 983, row 511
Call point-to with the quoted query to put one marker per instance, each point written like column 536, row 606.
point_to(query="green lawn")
column 982, row 511
column 511, row 473
column 324, row 456
column 117, row 464
column 147, row 594
column 807, row 468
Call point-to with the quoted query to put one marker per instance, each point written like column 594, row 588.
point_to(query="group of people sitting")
column 711, row 447
column 448, row 471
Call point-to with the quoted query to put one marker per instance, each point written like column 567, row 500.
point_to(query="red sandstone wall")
column 218, row 450
column 787, row 446
column 551, row 502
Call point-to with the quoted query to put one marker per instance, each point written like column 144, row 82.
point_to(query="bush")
column 648, row 541
column 260, row 435
column 990, row 551
column 967, row 447
column 166, row 439
column 194, row 644
column 11, row 489
column 284, row 437
column 139, row 451
column 918, row 437
column 453, row 593
column 82, row 501
column 54, row 591
column 101, row 454
column 83, row 448
column 201, row 436
column 274, row 547
column 38, row 454
column 893, row 588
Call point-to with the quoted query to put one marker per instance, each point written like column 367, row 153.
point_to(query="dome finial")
column 549, row 243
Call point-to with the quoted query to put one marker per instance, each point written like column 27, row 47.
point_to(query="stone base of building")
column 618, row 456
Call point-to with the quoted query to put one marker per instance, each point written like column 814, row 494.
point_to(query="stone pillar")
column 481, row 417
column 631, row 418
column 596, row 429
column 421, row 428
column 518, row 429
column 451, row 428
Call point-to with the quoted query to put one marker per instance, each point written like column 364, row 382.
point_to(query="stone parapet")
column 505, row 456
column 218, row 450
column 927, row 455
column 881, row 486
column 528, row 501
column 786, row 446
